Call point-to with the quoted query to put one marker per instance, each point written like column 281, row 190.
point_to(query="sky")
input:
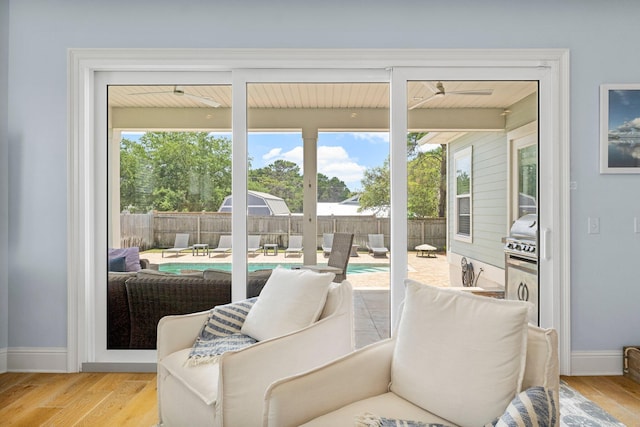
column 624, row 111
column 345, row 155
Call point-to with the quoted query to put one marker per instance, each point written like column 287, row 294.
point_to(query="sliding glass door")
column 392, row 122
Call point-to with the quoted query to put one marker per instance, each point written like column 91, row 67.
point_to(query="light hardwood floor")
column 129, row 399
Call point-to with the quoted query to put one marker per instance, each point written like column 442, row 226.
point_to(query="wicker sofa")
column 136, row 301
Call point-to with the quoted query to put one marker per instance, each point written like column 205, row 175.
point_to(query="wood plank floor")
column 617, row 395
column 129, row 399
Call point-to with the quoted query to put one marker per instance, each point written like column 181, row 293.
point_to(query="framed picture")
column 620, row 128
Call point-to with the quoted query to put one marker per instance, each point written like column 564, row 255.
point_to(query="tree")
column 426, row 182
column 375, row 184
column 135, row 177
column 183, row 171
column 332, row 189
column 282, row 179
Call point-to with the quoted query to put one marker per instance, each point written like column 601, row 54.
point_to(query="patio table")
column 195, row 249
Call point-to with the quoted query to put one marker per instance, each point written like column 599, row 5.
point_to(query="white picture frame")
column 620, row 128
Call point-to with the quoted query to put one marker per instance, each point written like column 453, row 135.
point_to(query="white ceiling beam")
column 327, row 120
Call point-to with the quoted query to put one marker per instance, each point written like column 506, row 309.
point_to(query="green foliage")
column 423, row 185
column 174, row 171
column 375, row 183
column 426, row 182
column 281, row 178
column 332, row 189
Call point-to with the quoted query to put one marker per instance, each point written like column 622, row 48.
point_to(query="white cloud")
column 373, row 137
column 630, row 126
column 335, row 161
column 273, row 153
column 332, row 161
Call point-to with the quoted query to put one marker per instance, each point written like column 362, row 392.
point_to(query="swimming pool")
column 176, row 267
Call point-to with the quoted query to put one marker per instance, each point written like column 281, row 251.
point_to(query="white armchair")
column 230, row 392
column 402, row 378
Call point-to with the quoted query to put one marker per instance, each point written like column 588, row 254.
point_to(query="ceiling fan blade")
column 206, row 101
column 424, row 101
column 471, row 92
column 151, row 93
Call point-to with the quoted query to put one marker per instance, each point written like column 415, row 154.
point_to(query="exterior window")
column 527, row 180
column 463, row 202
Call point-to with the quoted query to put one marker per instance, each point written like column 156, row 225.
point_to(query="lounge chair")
column 253, row 244
column 224, row 246
column 181, row 244
column 338, row 258
column 327, row 241
column 375, row 245
column 295, row 245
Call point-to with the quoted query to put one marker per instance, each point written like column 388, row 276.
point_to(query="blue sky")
column 624, row 111
column 342, row 155
column 345, row 155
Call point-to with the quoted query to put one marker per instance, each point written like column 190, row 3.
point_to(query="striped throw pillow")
column 226, row 319
column 535, row 406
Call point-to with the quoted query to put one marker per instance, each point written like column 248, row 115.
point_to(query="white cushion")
column 290, row 300
column 458, row 355
column 386, row 405
column 202, row 379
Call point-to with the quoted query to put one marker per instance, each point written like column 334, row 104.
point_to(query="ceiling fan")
column 179, row 91
column 439, row 92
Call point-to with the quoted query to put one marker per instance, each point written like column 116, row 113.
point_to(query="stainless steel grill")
column 521, row 263
column 523, row 237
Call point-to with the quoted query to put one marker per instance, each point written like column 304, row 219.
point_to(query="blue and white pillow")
column 221, row 332
column 208, row 351
column 371, row 420
column 226, row 319
column 535, row 406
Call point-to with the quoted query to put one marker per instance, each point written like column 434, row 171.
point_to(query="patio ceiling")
column 324, row 95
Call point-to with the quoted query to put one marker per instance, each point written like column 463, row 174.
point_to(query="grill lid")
column 525, row 228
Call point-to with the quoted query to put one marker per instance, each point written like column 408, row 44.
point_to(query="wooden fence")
column 158, row 229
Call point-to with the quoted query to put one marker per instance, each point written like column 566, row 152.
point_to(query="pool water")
column 176, row 267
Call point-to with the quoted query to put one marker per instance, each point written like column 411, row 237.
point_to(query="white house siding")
column 489, row 197
column 489, row 190
column 489, row 206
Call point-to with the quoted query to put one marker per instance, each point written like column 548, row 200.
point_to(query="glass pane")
column 527, row 180
column 165, row 188
column 464, row 206
column 464, row 225
column 324, row 148
column 463, row 175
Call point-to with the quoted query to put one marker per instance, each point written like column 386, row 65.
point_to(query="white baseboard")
column 596, row 362
column 37, row 359
column 3, row 360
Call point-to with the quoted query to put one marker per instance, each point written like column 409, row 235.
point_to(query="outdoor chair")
column 295, row 245
column 224, row 246
column 327, row 242
column 253, row 244
column 338, row 257
column 181, row 244
column 375, row 245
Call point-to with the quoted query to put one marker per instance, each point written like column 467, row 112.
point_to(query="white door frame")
column 552, row 66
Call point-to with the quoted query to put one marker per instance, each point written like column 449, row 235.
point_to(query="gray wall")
column 602, row 37
column 4, row 176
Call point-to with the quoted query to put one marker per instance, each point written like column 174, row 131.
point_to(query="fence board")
column 158, row 229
